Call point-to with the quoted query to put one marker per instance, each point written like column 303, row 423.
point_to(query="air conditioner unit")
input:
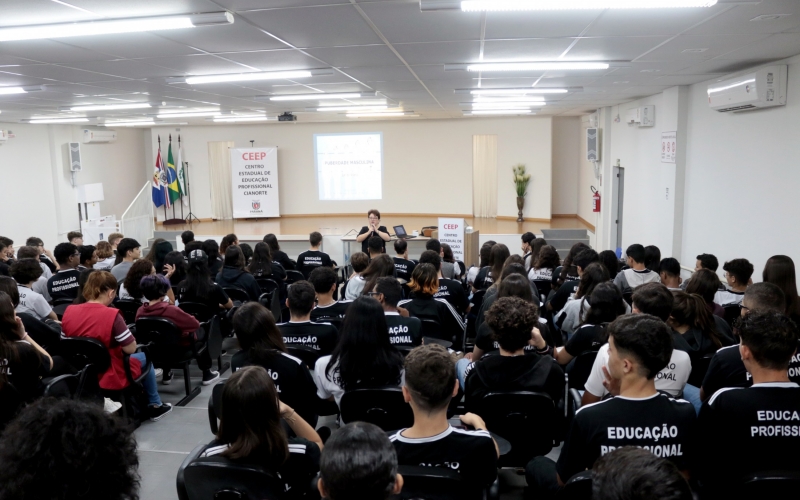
column 3, row 137
column 90, row 136
column 593, row 144
column 762, row 88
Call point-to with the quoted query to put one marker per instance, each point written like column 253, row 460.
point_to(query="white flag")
column 182, row 177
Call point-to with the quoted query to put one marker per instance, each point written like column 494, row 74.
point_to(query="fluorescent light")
column 57, row 120
column 518, row 5
column 368, row 102
column 12, row 90
column 509, row 99
column 128, row 124
column 535, row 66
column 502, row 105
column 373, row 115
column 522, row 91
column 502, row 112
column 243, row 118
column 352, row 108
column 312, row 97
column 713, row 90
column 104, row 107
column 110, row 26
column 189, row 114
column 250, row 77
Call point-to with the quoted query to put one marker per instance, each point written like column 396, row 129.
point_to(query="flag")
column 172, row 177
column 158, row 194
column 182, row 176
column 162, row 176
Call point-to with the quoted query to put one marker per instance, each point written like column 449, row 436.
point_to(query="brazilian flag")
column 172, row 176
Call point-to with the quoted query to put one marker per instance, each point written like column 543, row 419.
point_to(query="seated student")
column 448, row 259
column 429, row 386
column 174, row 268
column 46, row 333
column 746, row 430
column 114, row 239
column 706, row 284
column 404, row 331
column 527, row 248
column 704, row 261
column 359, row 262
column 75, row 237
column 653, row 299
column 94, row 319
column 363, row 357
column 497, row 258
column 545, row 264
column 567, row 271
column 66, row 449
column 579, row 262
column 64, row 283
column 606, row 305
column 262, row 345
column 737, row 274
column 40, row 285
column 640, row 346
column 128, row 251
column 779, row 270
column 637, row 273
column 131, row 289
column 380, row 266
column 198, row 287
column 669, row 270
column 636, row 474
column 313, row 258
column 652, row 257
column 5, row 260
column 324, row 280
column 450, row 290
column 609, row 259
column 512, row 321
column 262, row 265
column 44, row 255
column 227, row 241
column 571, row 315
column 277, row 254
column 215, row 260
column 159, row 250
column 247, row 251
column 22, row 361
column 88, row 257
column 375, row 247
column 402, row 266
column 26, row 272
column 186, row 238
column 359, row 462
column 300, row 331
column 155, row 287
column 105, row 256
column 251, row 432
column 233, row 273
column 483, row 254
column 422, row 304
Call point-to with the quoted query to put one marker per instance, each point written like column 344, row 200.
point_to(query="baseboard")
column 383, row 214
column 526, row 219
column 564, row 216
column 209, row 219
column 591, row 226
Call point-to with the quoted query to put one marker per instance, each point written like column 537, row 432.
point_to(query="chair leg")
column 190, row 393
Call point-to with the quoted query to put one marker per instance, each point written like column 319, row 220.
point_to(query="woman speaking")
column 373, row 229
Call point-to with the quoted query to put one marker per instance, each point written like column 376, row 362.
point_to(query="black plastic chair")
column 432, row 328
column 383, row 406
column 442, row 484
column 293, row 276
column 543, row 287
column 578, row 487
column 128, row 308
column 267, row 285
column 11, row 402
column 215, row 407
column 732, row 312
column 237, row 294
column 580, row 368
column 307, row 355
column 700, row 366
column 60, row 306
column 60, row 302
column 337, row 322
column 217, row 478
column 769, row 484
column 200, row 311
column 63, row 386
column 477, row 300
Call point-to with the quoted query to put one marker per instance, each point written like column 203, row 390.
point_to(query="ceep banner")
column 254, row 183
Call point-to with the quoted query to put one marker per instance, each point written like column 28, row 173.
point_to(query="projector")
column 287, row 117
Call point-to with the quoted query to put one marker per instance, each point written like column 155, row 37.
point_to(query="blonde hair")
column 104, row 250
column 424, row 279
column 98, row 283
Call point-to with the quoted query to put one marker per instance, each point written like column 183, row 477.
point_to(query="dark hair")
column 708, row 261
column 82, row 279
column 391, row 290
column 301, row 297
column 548, row 258
column 33, row 241
column 323, row 278
column 433, row 244
column 27, row 252
column 430, row 377
column 63, row 251
column 154, row 286
column 186, row 237
column 364, row 356
column 359, row 261
column 654, row 299
column 605, row 305
column 690, row 310
column 138, row 270
column 671, row 266
column 741, row 269
column 779, row 270
column 632, row 473
column 652, row 257
column 567, row 266
column 593, row 274
column 424, row 280
column 374, row 212
column 765, row 297
column 528, row 237
column 261, row 264
column 485, row 251
column 379, row 267
column 448, row 253
column 609, row 259
column 9, row 286
column 497, row 258
column 124, row 246
column 375, row 244
column 234, row 257
column 513, row 259
column 636, row 252
column 771, row 337
column 26, row 271
column 256, row 331
column 358, row 461
column 585, row 257
column 211, row 248
column 227, row 240
column 515, row 285
column 247, row 251
column 6, row 241
column 175, row 258
column 192, row 245
column 705, row 283
column 250, row 422
column 431, row 257
column 67, row 449
column 513, row 266
column 151, row 255
column 87, row 252
column 272, row 240
column 158, row 253
column 646, row 338
column 8, row 323
column 315, row 238
column 511, row 320
column 400, row 246
column 197, row 277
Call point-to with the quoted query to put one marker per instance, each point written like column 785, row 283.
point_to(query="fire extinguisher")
column 595, row 200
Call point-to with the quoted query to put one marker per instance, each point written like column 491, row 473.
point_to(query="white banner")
column 254, row 186
column 669, row 146
column 451, row 231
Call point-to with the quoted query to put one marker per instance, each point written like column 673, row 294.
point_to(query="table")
column 415, row 246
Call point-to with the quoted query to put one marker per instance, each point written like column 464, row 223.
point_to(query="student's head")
column 255, row 327
column 516, row 285
column 639, row 345
column 536, row 246
column 272, row 240
column 738, row 272
column 706, row 261
column 323, row 279
column 68, row 449
column 434, row 245
column 430, row 378
column 779, row 270
column 375, row 245
column 211, row 248
column 300, row 298
column 315, row 239
column 400, row 247
column 247, row 251
column 262, row 259
column 100, row 286
column 88, row 255
column 128, row 248
column 26, row 271
column 67, row 255
column 104, row 250
column 633, row 473
column 763, row 298
column 431, row 257
column 359, row 261
column 424, row 280
column 497, row 258
column 511, row 321
column 609, row 259
column 669, row 270
column 374, row 216
column 3, row 251
column 593, row 275
column 584, row 258
column 485, row 251
column 447, row 253
column 7, row 246
column 187, row 237
column 548, row 258
column 691, row 310
column 389, row 290
column 158, row 251
column 8, row 324
column 114, row 239
column 653, row 299
column 704, row 283
column 198, row 265
column 175, row 258
column 234, row 257
column 652, row 257
column 133, row 279
column 513, row 266
column 380, row 266
column 75, row 237
column 359, row 461
column 606, row 304
column 527, row 240
column 635, row 254
column 35, row 242
column 227, row 240
column 27, row 252
column 9, row 286
column 193, row 245
column 768, row 340
column 154, row 286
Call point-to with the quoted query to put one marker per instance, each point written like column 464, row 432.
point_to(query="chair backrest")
column 581, row 368
column 435, row 482
column 59, row 302
column 770, row 484
column 383, row 406
column 432, row 328
column 292, row 276
column 578, row 487
column 337, row 322
column 162, row 335
column 477, row 300
column 82, row 351
column 236, row 294
column 267, row 285
column 60, row 309
column 628, row 298
column 215, row 406
column 543, row 287
column 513, row 414
column 306, row 354
column 732, row 312
column 200, row 311
column 128, row 309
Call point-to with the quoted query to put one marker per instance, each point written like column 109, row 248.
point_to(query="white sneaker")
column 159, row 372
column 111, row 406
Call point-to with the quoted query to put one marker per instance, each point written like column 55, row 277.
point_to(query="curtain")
column 219, row 173
column 484, row 175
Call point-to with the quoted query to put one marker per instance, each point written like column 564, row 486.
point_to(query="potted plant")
column 521, row 180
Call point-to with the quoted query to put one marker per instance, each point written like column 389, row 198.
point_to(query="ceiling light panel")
column 508, row 99
column 251, row 77
column 528, row 66
column 529, row 5
column 189, row 114
column 41, row 121
column 110, row 107
column 501, row 112
column 517, row 91
column 349, row 108
column 243, row 118
column 313, row 97
column 381, row 115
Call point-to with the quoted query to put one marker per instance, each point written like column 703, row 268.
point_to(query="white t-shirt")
column 124, row 295
column 671, row 379
column 354, row 288
column 46, row 272
column 40, row 287
column 32, row 303
column 105, row 264
column 327, row 388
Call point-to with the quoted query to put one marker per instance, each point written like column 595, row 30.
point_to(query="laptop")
column 401, row 233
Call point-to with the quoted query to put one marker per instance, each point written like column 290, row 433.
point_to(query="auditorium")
column 274, row 249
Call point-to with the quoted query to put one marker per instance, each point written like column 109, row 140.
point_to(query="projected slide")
column 349, row 166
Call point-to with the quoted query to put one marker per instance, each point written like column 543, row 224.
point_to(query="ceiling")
column 388, row 46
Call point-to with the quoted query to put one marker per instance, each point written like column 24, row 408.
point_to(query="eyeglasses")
column 76, row 254
column 374, row 218
column 374, row 294
column 744, row 307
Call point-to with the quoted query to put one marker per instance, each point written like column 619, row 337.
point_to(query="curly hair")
column 64, row 449
column 511, row 320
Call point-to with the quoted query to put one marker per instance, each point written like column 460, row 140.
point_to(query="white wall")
column 566, row 163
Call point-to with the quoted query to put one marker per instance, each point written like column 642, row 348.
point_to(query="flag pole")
column 180, row 168
column 168, row 178
column 159, row 152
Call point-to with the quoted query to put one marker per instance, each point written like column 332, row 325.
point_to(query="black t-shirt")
column 532, row 372
column 4, row 269
column 586, row 338
column 64, row 284
column 470, row 453
column 25, row 369
column 215, row 267
column 659, row 424
column 453, row 292
column 319, row 336
column 404, row 331
column 335, row 310
column 281, row 258
column 278, row 273
column 561, row 297
column 365, row 229
column 727, row 370
column 312, row 259
column 403, row 268
column 484, row 279
column 745, row 430
column 426, row 307
column 216, row 296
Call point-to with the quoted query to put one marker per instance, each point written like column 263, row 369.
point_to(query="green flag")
column 172, row 175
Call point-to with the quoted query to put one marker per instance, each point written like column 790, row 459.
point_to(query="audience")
column 450, row 268
column 380, row 266
column 227, row 241
column 402, row 266
column 404, row 331
column 262, row 265
column 45, row 256
column 75, row 237
column 580, row 261
column 375, row 247
column 637, row 273
column 88, row 257
column 114, row 239
column 779, row 270
column 572, row 314
column 497, row 257
column 313, row 257
column 187, row 237
column 215, row 260
column 158, row 253
column 277, row 254
column 40, row 285
column 105, row 256
column 128, row 251
column 247, row 251
column 609, row 259
column 26, row 272
column 737, row 275
column 23, row 362
column 422, row 304
column 568, row 271
column 175, row 267
column 545, row 264
column 5, row 260
column 706, row 284
column 234, row 275
column 64, row 283
column 198, row 286
column 325, row 281
column 527, row 248
column 669, row 270
column 130, row 289
column 374, row 229
column 46, row 333
column 300, row 331
column 706, row 261
column 652, row 258
column 633, row 473
column 450, row 290
column 359, row 262
column 483, row 254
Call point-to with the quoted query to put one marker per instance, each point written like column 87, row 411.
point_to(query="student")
column 95, row 319
column 706, row 284
column 158, row 252
column 430, row 384
column 422, row 304
column 706, row 261
column 324, row 280
column 45, row 256
column 300, row 331
column 375, row 247
column 187, row 237
column 8, row 243
column 746, row 430
column 514, row 265
column 405, row 331
column 545, row 264
column 262, row 345
column 363, row 357
column 198, row 287
column 26, row 272
column 527, row 248
column 233, row 274
column 75, row 237
column 131, row 289
column 450, row 268
column 114, row 239
column 46, row 333
column 567, row 271
column 640, row 346
column 580, row 261
column 609, row 259
column 251, row 432
column 637, row 274
column 652, row 257
column 247, row 251
column 227, row 241
column 572, row 314
column 62, row 448
column 88, row 257
column 669, row 270
column 262, row 265
column 313, row 258
column 373, row 229
column 155, row 288
column 128, row 251
column 737, row 275
column 402, row 266
column 215, row 260
column 174, row 267
column 380, row 266
column 105, row 256
column 359, row 462
column 636, row 474
column 779, row 270
column 64, row 284
column 497, row 257
column 5, row 263
column 40, row 285
column 450, row 290
column 359, row 262
column 277, row 254
column 483, row 253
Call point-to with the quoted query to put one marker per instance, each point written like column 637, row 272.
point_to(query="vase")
column 520, row 205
